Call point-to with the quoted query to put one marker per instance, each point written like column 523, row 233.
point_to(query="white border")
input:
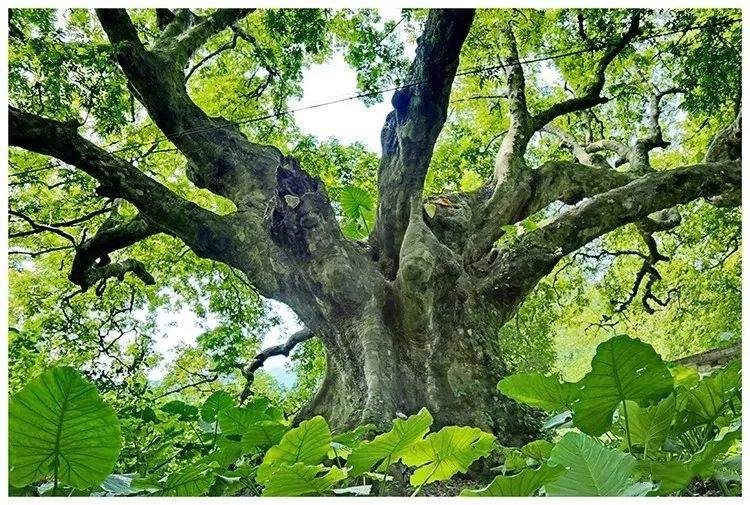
column 351, row 4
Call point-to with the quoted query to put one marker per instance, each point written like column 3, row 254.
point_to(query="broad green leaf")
column 649, row 426
column 538, row 449
column 307, row 443
column 179, row 408
column 218, row 401
column 674, row 476
column 58, row 426
column 539, row 390
column 125, row 484
column 226, row 453
column 622, row 369
column 388, row 447
column 443, row 454
column 238, row 420
column 592, row 468
column 263, row 435
column 703, row 462
column 709, row 399
column 337, row 450
column 355, row 202
column 522, row 484
column 300, row 479
column 686, row 376
column 191, row 480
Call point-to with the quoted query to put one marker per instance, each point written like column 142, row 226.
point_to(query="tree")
column 409, row 316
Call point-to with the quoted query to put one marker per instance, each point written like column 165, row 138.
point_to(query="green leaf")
column 263, row 435
column 388, row 447
column 188, row 481
column 672, row 476
column 124, row 485
column 538, row 390
column 238, row 420
column 708, row 399
column 622, row 369
column 703, row 462
column 522, row 484
column 649, row 426
column 355, row 202
column 592, row 468
column 218, row 401
column 538, row 450
column 227, row 453
column 443, row 454
column 59, row 426
column 182, row 409
column 307, row 443
column 300, row 479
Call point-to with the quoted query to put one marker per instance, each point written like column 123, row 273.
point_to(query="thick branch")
column 249, row 369
column 411, row 130
column 221, row 158
column 91, row 263
column 520, row 266
column 509, row 162
column 118, row 179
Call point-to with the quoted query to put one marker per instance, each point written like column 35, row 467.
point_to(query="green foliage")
column 668, row 430
column 387, row 448
column 541, row 391
column 441, row 455
column 622, row 369
column 218, row 401
column 524, row 483
column 59, row 428
column 592, row 469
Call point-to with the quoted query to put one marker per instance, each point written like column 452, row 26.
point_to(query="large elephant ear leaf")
column 60, row 428
column 623, row 368
column 443, row 454
column 218, row 401
column 592, row 469
column 648, row 426
column 359, row 212
column 300, row 479
column 709, row 399
column 307, row 443
column 521, row 484
column 541, row 391
column 390, row 446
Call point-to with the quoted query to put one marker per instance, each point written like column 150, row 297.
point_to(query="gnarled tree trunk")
column 409, row 318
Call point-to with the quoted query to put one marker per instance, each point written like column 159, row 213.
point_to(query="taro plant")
column 633, row 425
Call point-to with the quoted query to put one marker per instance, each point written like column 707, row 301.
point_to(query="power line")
column 470, row 71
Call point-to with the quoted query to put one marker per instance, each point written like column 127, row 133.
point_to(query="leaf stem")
column 627, row 426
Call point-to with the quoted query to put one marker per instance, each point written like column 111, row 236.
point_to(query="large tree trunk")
column 404, row 350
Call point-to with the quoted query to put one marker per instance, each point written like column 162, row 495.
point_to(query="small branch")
column 38, row 228
column 248, row 370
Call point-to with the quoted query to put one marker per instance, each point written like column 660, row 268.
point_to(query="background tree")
column 464, row 229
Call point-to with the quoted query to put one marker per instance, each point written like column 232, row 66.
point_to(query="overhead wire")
column 470, row 71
